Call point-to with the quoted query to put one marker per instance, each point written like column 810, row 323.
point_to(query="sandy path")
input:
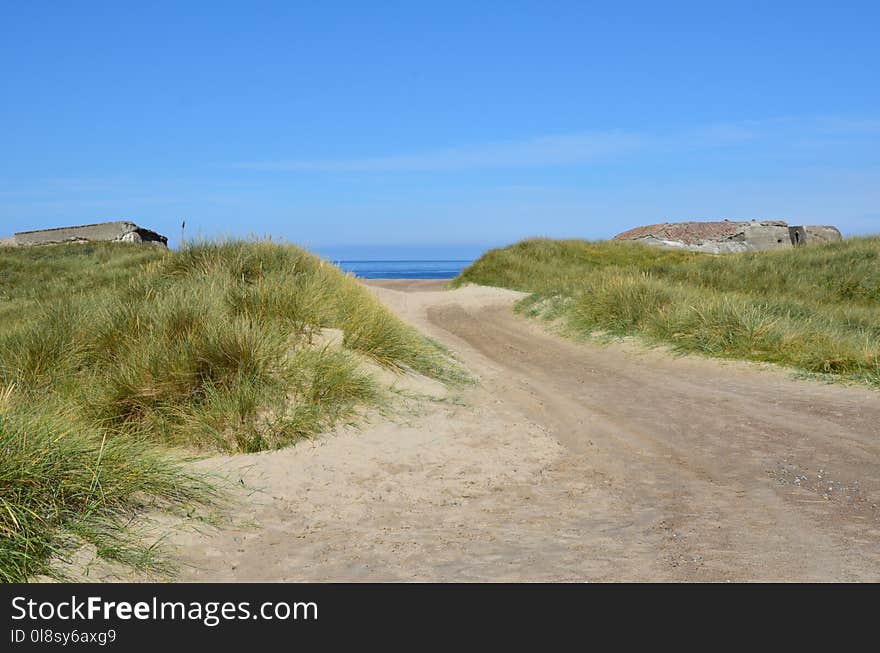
column 568, row 462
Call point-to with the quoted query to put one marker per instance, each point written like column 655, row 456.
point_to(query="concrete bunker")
column 121, row 231
column 730, row 236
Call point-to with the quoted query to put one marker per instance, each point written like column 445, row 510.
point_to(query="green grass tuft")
column 63, row 484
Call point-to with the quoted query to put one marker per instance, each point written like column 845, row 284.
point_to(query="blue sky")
column 415, row 129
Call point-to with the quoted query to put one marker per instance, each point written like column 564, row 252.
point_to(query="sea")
column 404, row 269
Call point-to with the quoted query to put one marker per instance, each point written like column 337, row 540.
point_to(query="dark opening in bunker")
column 798, row 236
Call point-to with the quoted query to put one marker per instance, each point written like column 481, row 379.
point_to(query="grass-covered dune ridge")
column 112, row 355
column 816, row 308
column 217, row 345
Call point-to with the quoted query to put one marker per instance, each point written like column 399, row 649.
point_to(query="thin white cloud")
column 545, row 151
column 854, row 126
column 573, row 148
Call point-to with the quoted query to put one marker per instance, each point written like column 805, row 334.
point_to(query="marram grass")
column 113, row 356
column 63, row 484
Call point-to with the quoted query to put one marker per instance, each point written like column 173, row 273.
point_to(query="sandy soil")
column 569, row 462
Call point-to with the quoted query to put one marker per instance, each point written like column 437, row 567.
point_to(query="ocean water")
column 404, row 269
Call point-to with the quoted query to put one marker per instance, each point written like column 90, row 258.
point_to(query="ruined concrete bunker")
column 116, row 231
column 730, row 236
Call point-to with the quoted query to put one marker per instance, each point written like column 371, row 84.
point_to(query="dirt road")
column 568, row 462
